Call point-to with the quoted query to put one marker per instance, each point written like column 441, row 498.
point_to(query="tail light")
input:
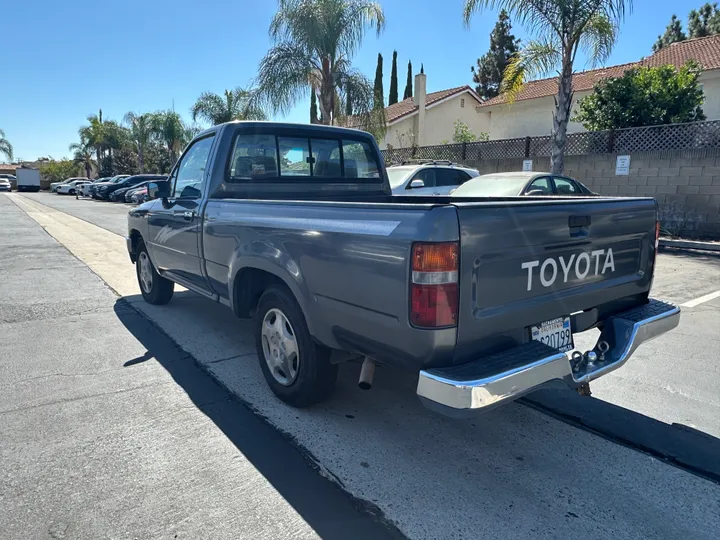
column 657, row 235
column 434, row 287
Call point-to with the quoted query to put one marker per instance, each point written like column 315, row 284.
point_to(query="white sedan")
column 428, row 177
column 70, row 187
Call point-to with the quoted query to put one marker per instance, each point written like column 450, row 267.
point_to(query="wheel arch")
column 250, row 282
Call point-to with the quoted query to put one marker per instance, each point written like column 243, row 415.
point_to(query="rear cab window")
column 268, row 157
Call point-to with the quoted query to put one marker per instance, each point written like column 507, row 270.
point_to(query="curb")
column 676, row 444
column 690, row 244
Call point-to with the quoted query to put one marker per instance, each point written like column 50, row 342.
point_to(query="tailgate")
column 525, row 262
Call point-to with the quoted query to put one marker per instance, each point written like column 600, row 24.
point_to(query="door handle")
column 187, row 215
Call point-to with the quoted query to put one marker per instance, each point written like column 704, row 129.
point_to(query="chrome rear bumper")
column 496, row 379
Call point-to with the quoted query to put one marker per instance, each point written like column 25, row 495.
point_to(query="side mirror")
column 534, row 192
column 415, row 184
column 158, row 190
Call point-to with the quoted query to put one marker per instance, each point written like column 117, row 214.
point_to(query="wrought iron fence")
column 628, row 140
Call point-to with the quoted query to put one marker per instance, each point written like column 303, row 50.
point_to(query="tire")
column 155, row 289
column 310, row 377
column 71, row 192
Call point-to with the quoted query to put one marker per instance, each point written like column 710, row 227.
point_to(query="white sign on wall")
column 527, row 165
column 622, row 166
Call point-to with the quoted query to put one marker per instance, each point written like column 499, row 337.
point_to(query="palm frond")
column 542, row 16
column 598, row 39
column 283, row 77
column 365, row 115
column 211, row 108
column 534, row 59
column 5, row 146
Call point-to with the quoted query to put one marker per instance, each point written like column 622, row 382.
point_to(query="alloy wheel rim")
column 280, row 348
column 146, row 277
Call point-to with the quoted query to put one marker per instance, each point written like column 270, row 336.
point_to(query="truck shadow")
column 431, row 475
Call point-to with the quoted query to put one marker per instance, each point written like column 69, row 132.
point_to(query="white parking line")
column 702, row 299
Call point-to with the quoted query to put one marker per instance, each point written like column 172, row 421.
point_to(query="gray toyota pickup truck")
column 296, row 227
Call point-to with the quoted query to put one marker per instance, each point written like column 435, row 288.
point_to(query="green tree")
column 408, row 85
column 704, row 22
column 314, row 42
column 673, row 33
column 490, row 67
column 140, row 134
column 561, row 28
column 462, row 133
column 393, row 97
column 56, row 171
column 645, row 96
column 5, row 146
column 83, row 156
column 232, row 105
column 157, row 158
column 379, row 102
column 313, row 108
column 169, row 128
column 94, row 135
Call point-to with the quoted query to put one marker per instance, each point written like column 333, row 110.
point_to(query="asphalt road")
column 510, row 473
column 109, row 430
column 674, row 379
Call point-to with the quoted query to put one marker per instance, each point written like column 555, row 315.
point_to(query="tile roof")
column 407, row 106
column 705, row 51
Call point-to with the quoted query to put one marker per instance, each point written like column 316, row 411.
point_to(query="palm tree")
column 168, row 127
column 94, row 135
column 83, row 155
column 140, row 134
column 232, row 105
column 5, row 146
column 562, row 28
column 314, row 43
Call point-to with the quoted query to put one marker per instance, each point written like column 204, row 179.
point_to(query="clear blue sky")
column 65, row 60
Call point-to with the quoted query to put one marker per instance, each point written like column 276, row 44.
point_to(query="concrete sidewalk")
column 109, row 430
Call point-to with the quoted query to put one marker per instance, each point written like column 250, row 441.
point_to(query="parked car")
column 86, row 189
column 132, row 191
column 428, row 177
column 296, row 226
column 131, row 183
column 139, row 196
column 71, row 187
column 55, row 185
column 511, row 184
column 5, row 184
column 113, row 180
column 116, row 192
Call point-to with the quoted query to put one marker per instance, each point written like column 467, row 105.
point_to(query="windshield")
column 398, row 175
column 491, row 185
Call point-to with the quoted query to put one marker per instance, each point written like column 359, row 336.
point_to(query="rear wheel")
column 155, row 289
column 297, row 369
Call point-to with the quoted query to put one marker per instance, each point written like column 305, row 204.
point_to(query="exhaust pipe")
column 367, row 372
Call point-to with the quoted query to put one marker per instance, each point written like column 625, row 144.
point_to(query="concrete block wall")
column 685, row 183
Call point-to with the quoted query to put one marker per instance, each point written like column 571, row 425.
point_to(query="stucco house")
column 531, row 112
column 427, row 119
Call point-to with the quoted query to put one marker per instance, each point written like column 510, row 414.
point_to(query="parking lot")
column 513, row 472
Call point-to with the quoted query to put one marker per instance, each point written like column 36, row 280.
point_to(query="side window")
column 254, row 158
column 325, row 158
column 426, row 175
column 360, row 160
column 294, row 156
column 451, row 177
column 563, row 186
column 189, row 176
column 542, row 184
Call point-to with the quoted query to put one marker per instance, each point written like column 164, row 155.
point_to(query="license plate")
column 555, row 333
